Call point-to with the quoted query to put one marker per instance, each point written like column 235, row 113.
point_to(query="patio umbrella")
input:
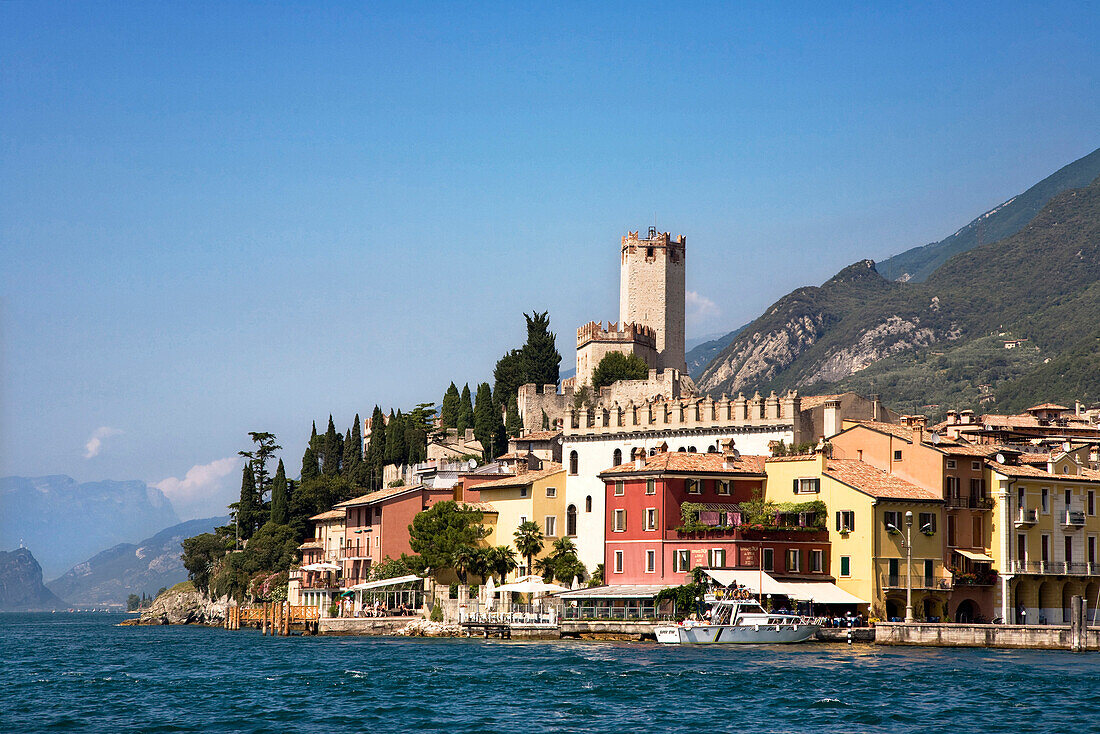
column 532, row 585
column 576, row 583
column 490, row 592
column 327, row 566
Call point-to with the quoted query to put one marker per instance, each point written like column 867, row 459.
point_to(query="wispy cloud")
column 203, row 491
column 95, row 441
column 699, row 307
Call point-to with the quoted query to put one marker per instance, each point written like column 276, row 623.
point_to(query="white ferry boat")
column 739, row 621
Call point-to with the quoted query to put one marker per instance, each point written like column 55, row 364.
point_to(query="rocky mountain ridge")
column 21, row 588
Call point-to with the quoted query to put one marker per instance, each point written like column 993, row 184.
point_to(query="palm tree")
column 501, row 560
column 465, row 561
column 529, row 541
column 563, row 562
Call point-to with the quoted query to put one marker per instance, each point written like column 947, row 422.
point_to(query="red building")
column 377, row 526
column 671, row 512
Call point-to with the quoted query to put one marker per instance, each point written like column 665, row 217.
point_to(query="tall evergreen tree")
column 418, row 424
column 397, row 450
column 513, row 425
column 541, row 359
column 353, row 450
column 510, row 372
column 500, row 433
column 246, row 506
column 486, row 417
column 376, row 449
column 465, row 411
column 261, row 479
column 310, row 468
column 280, row 499
column 330, row 453
column 448, row 409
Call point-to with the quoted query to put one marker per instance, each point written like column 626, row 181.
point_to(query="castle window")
column 588, row 503
column 573, row 462
column 571, row 520
column 617, row 457
column 649, row 253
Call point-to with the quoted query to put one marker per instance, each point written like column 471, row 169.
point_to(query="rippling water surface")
column 80, row 672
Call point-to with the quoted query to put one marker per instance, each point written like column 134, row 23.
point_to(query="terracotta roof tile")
column 538, row 436
column 382, row 494
column 794, row 457
column 330, row 515
column 1046, row 406
column 813, row 401
column 682, row 461
column 519, row 480
column 875, row 482
column 905, row 433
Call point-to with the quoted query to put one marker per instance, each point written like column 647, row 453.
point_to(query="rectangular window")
column 522, row 519
column 683, row 560
column 928, row 566
column 523, row 491
column 723, row 487
column 620, row 521
column 976, row 465
column 716, row 558
column 792, row 560
column 650, row 561
column 845, row 521
column 950, row 463
column 977, row 488
column 1021, row 548
column 768, row 559
column 817, row 561
column 1046, row 500
column 651, row 486
column 897, row 455
column 807, row 486
column 692, row 486
column 1021, row 497
column 892, row 521
column 951, row 486
column 1090, row 502
column 927, row 522
column 619, row 489
column 976, row 532
column 1069, row 549
column 845, row 566
column 551, row 524
column 892, row 574
column 651, row 518
column 618, row 561
column 1092, row 549
column 551, row 491
column 951, row 540
column 1069, row 497
column 1045, row 549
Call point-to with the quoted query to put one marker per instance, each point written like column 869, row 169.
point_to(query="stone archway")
column 1050, row 602
column 1070, row 590
column 1025, row 601
column 966, row 611
column 895, row 608
column 1092, row 591
column 931, row 608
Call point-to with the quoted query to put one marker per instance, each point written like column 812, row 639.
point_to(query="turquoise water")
column 79, row 672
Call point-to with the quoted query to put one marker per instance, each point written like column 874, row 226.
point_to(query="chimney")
column 639, row 458
column 876, row 408
column 730, row 456
column 966, row 417
column 952, row 418
column 831, row 420
column 904, row 419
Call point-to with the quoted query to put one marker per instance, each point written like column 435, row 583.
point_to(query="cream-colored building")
column 317, row 579
column 867, row 529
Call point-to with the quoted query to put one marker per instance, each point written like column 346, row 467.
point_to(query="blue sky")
column 227, row 217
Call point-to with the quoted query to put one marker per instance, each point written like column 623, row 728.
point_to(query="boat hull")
column 749, row 634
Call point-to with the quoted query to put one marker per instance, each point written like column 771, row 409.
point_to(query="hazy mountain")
column 700, row 352
column 64, row 522
column 1002, row 221
column 21, row 588
column 128, row 568
column 861, row 331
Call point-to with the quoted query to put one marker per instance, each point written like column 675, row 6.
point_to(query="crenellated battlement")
column 653, row 239
column 661, row 414
column 593, row 331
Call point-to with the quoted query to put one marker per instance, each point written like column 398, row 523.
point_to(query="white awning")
column 385, row 582
column 819, row 592
column 621, row 591
column 757, row 582
column 974, row 556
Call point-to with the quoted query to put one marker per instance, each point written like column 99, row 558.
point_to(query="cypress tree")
column 513, row 425
column 310, row 467
column 448, row 409
column 545, row 421
column 484, row 421
column 500, row 433
column 376, row 449
column 349, row 457
column 465, row 412
column 510, row 372
column 540, row 354
column 246, row 506
column 330, row 453
column 397, row 451
column 280, row 499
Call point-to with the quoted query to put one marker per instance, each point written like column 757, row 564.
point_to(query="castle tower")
column 651, row 291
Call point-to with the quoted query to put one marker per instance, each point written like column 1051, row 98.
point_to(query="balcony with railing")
column 968, row 502
column 1073, row 519
column 1026, row 517
column 938, row 580
column 1054, row 568
column 355, row 552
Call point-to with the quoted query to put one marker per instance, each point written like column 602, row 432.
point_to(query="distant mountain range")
column 926, row 346
column 131, row 568
column 703, row 351
column 21, row 588
column 64, row 522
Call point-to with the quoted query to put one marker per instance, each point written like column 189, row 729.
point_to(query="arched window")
column 617, row 457
column 712, row 449
column 571, row 520
column 691, row 449
column 681, row 450
column 572, row 462
column 588, row 503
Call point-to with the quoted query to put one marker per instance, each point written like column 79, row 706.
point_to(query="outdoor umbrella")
column 490, row 591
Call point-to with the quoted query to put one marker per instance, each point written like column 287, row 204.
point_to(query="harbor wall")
column 609, row 629
column 1037, row 637
column 361, row 626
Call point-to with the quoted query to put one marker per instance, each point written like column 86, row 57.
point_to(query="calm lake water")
column 80, row 672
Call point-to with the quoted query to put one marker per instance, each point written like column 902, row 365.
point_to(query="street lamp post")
column 908, row 566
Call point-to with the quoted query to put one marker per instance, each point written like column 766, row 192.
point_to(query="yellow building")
column 538, row 496
column 1046, row 532
column 867, row 528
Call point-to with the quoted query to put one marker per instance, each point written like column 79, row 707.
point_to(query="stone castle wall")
column 594, row 343
column 652, row 291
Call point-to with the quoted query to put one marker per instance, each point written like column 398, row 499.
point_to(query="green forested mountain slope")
column 1002, row 221
column 860, row 330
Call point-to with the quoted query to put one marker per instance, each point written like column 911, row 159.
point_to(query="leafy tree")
column 133, row 602
column 315, row 496
column 465, row 417
column 541, row 359
column 437, row 534
column 390, row 568
column 597, row 576
column 418, row 424
column 470, row 560
column 448, row 410
column 201, row 555
column 331, row 450
column 280, row 500
column 160, row 591
column 529, row 541
column 272, row 548
column 310, row 466
column 617, row 366
column 397, row 451
column 257, row 461
column 562, row 563
column 376, row 449
column 500, row 561
column 246, row 511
